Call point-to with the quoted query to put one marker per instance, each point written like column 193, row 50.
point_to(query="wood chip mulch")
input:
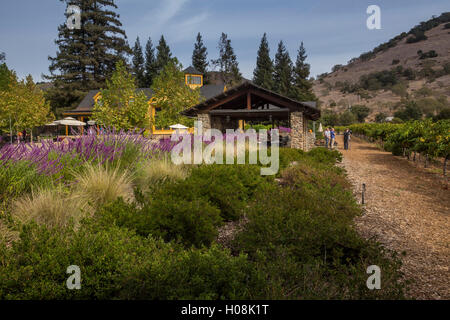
column 407, row 209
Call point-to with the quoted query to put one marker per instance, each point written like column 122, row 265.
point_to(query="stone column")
column 205, row 119
column 297, row 130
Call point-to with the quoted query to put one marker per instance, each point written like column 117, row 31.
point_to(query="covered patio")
column 249, row 102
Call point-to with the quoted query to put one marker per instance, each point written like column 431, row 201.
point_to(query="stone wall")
column 205, row 119
column 298, row 131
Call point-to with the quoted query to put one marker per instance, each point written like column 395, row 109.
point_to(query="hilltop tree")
column 227, row 62
column 86, row 56
column 2, row 57
column 164, row 55
column 302, row 87
column 199, row 55
column 150, row 63
column 138, row 64
column 282, row 75
column 263, row 73
column 172, row 96
column 121, row 106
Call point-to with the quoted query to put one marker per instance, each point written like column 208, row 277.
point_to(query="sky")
column 333, row 31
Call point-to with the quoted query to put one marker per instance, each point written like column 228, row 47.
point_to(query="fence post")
column 363, row 193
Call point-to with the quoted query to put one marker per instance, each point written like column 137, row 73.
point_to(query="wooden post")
column 363, row 193
column 249, row 101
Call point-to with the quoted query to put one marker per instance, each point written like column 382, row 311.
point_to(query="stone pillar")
column 205, row 119
column 298, row 130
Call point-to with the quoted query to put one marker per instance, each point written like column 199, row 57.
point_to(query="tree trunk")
column 426, row 161
column 414, row 157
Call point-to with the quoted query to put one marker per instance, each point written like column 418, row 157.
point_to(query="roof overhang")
column 235, row 96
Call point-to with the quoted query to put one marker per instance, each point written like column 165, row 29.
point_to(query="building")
column 249, row 102
column 229, row 108
column 192, row 77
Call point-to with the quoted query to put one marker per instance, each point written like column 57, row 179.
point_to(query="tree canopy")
column 22, row 104
column 86, row 56
column 263, row 73
column 121, row 106
column 138, row 64
column 163, row 56
column 227, row 62
column 302, row 87
column 283, row 71
column 172, row 95
column 199, row 55
column 150, row 63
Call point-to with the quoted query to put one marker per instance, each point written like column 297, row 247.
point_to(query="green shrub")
column 117, row 264
column 302, row 237
column 322, row 155
column 226, row 186
column 190, row 221
column 20, row 178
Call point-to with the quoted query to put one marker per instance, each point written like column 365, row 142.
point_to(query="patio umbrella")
column 54, row 123
column 320, row 127
column 69, row 121
column 178, row 126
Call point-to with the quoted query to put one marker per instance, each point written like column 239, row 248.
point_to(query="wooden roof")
column 248, row 96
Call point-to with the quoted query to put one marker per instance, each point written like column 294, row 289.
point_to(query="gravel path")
column 407, row 210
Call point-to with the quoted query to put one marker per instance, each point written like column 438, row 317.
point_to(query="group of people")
column 330, row 137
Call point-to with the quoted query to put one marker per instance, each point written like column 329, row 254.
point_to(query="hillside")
column 396, row 70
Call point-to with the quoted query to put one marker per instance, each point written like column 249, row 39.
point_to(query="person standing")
column 326, row 134
column 347, row 135
column 332, row 138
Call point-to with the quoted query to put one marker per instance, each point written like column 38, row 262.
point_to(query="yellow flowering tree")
column 121, row 105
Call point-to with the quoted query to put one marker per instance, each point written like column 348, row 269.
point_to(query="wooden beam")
column 224, row 100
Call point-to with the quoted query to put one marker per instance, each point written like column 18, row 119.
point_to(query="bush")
column 117, row 264
column 191, row 222
column 226, row 186
column 19, row 179
column 297, row 235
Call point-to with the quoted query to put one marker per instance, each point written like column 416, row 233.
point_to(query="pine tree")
column 227, row 62
column 263, row 73
column 199, row 55
column 164, row 55
column 282, row 75
column 150, row 64
column 138, row 64
column 86, row 56
column 302, row 90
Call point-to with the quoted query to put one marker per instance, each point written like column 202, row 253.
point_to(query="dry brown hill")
column 342, row 88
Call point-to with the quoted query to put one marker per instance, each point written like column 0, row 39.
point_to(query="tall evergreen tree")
column 150, row 63
column 138, row 64
column 86, row 56
column 302, row 87
column 199, row 55
column 263, row 73
column 227, row 62
column 282, row 75
column 164, row 55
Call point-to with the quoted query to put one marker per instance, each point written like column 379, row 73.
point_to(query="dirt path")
column 407, row 210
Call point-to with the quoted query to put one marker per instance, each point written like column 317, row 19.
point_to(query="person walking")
column 326, row 134
column 347, row 135
column 332, row 138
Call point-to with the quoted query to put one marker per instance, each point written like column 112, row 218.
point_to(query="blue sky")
column 333, row 32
